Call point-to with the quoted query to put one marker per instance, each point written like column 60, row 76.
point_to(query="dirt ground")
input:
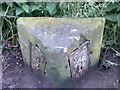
column 16, row 74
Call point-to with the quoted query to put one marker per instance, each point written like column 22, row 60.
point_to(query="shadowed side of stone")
column 57, row 38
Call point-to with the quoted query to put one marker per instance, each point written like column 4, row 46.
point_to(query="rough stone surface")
column 57, row 38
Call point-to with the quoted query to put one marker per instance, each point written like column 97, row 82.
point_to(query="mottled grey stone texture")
column 56, row 39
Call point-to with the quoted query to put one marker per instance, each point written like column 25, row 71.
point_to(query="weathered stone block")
column 60, row 47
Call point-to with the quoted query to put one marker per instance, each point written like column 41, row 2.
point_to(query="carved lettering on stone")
column 79, row 60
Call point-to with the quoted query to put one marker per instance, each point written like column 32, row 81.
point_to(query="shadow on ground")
column 17, row 74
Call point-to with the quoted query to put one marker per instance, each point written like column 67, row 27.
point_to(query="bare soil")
column 17, row 74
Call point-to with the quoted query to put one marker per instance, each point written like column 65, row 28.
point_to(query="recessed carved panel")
column 38, row 59
column 79, row 60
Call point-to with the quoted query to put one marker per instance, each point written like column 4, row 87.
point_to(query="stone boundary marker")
column 61, row 48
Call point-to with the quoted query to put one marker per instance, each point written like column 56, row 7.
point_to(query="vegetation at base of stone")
column 109, row 10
